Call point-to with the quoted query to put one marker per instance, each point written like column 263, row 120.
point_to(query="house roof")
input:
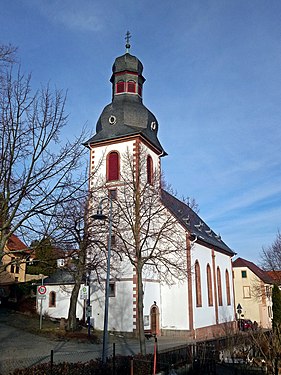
column 193, row 223
column 263, row 275
column 275, row 276
column 15, row 244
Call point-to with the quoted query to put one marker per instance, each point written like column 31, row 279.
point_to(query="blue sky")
column 213, row 80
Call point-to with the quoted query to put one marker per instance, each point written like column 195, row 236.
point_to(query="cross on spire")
column 127, row 38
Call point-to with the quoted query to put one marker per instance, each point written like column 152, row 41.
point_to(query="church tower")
column 125, row 125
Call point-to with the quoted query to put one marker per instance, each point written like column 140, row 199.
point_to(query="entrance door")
column 154, row 320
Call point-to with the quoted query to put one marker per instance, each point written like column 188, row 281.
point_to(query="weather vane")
column 127, row 38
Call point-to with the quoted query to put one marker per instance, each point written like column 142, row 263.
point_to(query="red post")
column 155, row 357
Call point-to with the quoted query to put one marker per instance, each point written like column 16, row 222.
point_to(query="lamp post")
column 239, row 311
column 99, row 216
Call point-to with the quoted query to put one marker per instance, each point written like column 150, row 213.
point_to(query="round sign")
column 42, row 289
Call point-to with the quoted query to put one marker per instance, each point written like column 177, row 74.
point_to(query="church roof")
column 193, row 223
column 263, row 275
column 126, row 115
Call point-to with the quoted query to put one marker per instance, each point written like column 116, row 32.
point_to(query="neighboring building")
column 275, row 276
column 55, row 299
column 252, row 288
column 14, row 260
column 202, row 303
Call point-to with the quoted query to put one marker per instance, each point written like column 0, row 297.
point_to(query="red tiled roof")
column 275, row 275
column 15, row 244
column 263, row 275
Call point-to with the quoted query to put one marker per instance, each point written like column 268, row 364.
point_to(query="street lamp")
column 239, row 311
column 100, row 216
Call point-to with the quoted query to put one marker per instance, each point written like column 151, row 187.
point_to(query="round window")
column 112, row 120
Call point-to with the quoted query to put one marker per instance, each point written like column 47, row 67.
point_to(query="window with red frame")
column 149, row 169
column 227, row 287
column 113, row 166
column 198, row 284
column 219, row 286
column 120, row 87
column 209, row 282
column 131, row 86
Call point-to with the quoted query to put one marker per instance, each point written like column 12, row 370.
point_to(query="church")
column 166, row 261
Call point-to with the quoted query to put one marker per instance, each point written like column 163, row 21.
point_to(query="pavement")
column 20, row 348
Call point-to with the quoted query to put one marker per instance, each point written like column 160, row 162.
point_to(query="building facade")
column 253, row 292
column 199, row 299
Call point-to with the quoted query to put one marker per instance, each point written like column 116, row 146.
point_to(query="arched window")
column 228, row 299
column 209, row 285
column 52, row 299
column 112, row 166
column 198, row 284
column 120, row 87
column 149, row 169
column 219, row 286
column 131, row 86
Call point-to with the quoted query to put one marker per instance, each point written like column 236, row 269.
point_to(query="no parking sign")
column 42, row 291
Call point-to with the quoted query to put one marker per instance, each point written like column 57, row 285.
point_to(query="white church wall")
column 226, row 312
column 120, row 308
column 174, row 307
column 151, row 294
column 205, row 314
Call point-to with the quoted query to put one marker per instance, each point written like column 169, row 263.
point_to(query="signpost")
column 239, row 311
column 41, row 294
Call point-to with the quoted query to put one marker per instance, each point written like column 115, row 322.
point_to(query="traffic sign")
column 42, row 290
column 84, row 291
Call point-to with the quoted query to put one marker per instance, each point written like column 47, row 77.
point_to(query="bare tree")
column 7, row 54
column 84, row 256
column 145, row 230
column 38, row 170
column 271, row 256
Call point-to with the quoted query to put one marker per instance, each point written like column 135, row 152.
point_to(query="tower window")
column 113, row 166
column 149, row 169
column 140, row 90
column 131, row 86
column 112, row 289
column 120, row 87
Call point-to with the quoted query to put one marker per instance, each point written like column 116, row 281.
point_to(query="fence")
column 199, row 358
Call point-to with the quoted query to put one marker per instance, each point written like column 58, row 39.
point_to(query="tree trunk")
column 140, row 325
column 72, row 320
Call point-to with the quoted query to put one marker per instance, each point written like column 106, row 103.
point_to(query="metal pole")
column 88, row 313
column 105, row 328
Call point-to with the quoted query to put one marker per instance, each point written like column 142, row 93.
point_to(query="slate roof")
column 61, row 276
column 131, row 116
column 263, row 275
column 192, row 222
